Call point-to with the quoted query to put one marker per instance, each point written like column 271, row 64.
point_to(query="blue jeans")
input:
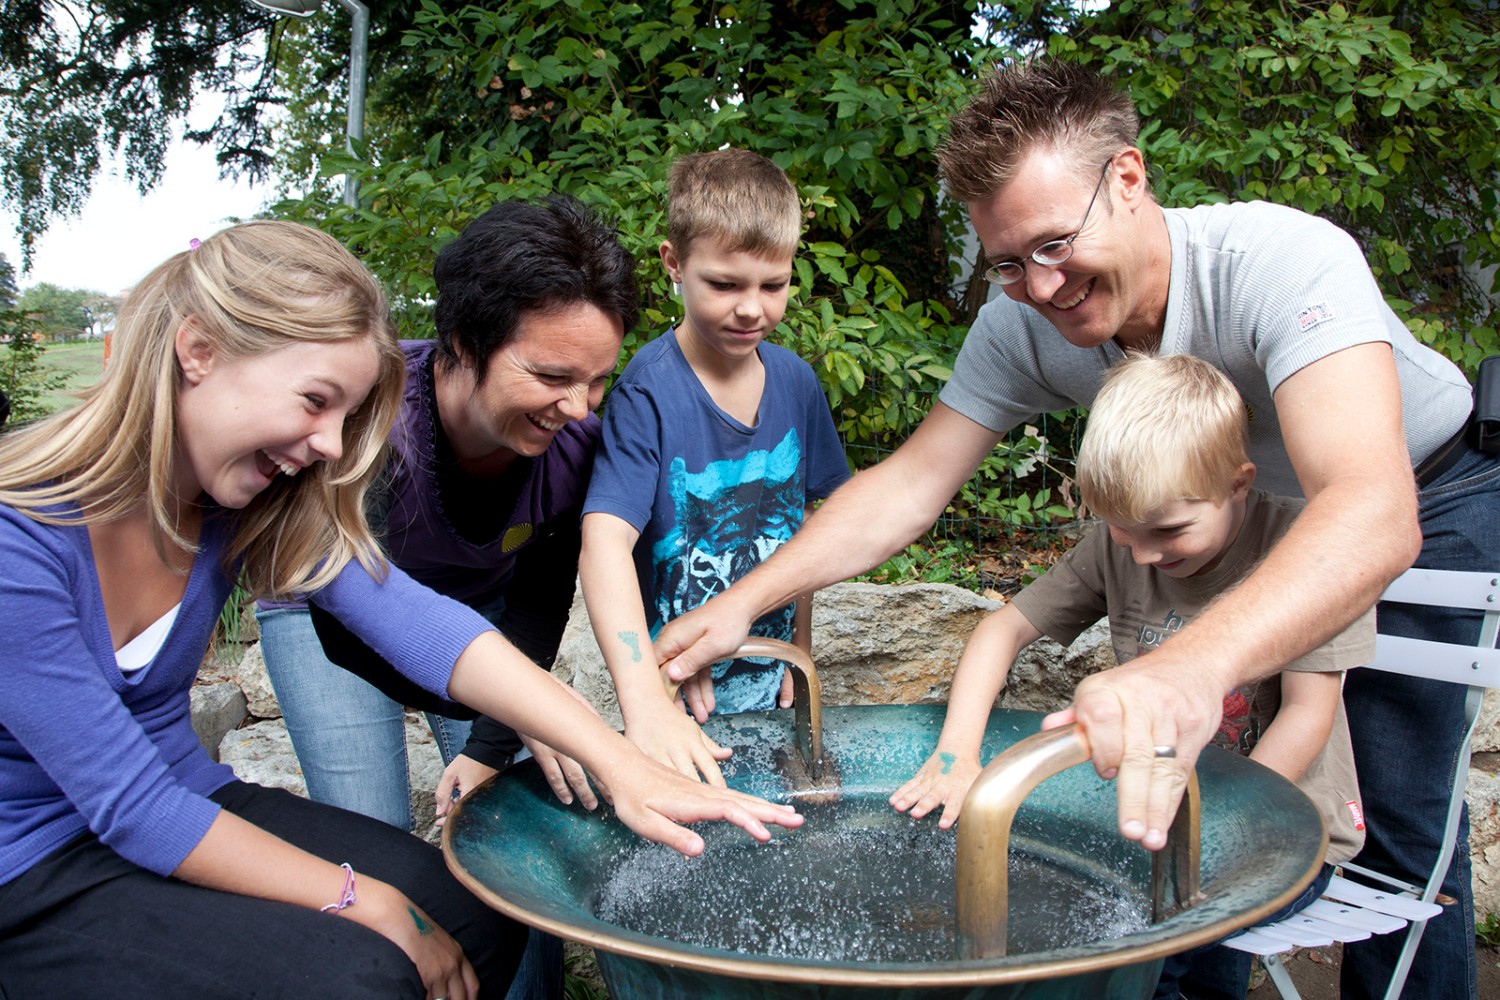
column 350, row 738
column 1406, row 734
column 1214, row 972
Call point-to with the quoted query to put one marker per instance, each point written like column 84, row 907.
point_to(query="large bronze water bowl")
column 864, row 902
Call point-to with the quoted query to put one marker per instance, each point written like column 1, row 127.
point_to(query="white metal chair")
column 1349, row 911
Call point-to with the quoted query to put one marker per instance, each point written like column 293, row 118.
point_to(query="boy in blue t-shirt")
column 714, row 445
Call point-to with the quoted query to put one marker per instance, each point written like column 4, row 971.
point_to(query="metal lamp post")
column 359, row 46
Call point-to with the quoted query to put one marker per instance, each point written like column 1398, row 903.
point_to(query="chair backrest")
column 1476, row 665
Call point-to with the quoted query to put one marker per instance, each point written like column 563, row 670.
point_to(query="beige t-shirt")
column 1098, row 578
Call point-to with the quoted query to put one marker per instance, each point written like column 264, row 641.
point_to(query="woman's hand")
column 459, row 778
column 563, row 773
column 943, row 781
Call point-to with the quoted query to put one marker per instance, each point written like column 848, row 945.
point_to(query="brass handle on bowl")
column 990, row 808
column 807, row 694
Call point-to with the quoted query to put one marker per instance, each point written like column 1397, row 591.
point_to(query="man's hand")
column 702, row 637
column 1127, row 713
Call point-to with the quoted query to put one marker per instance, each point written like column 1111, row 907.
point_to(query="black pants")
column 84, row 922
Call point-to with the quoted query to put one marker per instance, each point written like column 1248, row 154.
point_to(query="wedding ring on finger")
column 1164, row 750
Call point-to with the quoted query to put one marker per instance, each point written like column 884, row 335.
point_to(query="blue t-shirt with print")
column 711, row 496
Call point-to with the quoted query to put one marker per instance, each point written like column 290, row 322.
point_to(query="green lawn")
column 81, row 362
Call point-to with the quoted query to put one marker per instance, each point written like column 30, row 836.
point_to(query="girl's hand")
column 445, row 971
column 943, row 781
column 652, row 799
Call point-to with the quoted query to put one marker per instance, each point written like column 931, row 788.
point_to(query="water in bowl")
column 858, row 883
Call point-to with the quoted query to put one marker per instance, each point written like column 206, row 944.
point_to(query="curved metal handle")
column 983, row 871
column 807, row 695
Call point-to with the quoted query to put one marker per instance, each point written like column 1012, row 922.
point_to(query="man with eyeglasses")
column 1345, row 406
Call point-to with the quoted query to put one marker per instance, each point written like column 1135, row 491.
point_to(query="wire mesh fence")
column 1014, row 517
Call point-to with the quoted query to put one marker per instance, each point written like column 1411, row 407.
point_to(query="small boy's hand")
column 943, row 781
column 786, row 696
column 563, row 773
column 697, row 692
column 672, row 738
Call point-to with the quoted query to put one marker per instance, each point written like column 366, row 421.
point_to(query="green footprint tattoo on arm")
column 634, row 642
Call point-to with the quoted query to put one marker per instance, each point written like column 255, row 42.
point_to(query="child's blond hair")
column 738, row 197
column 1161, row 429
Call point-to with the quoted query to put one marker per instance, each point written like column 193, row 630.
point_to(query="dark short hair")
column 1031, row 104
column 522, row 256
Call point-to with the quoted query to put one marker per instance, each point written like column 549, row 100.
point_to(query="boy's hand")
column 671, row 738
column 697, row 692
column 788, row 693
column 943, row 781
column 459, row 778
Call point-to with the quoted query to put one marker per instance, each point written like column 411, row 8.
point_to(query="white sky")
column 120, row 235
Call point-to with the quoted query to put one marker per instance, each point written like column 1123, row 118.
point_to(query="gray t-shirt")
column 1259, row 291
column 1145, row 608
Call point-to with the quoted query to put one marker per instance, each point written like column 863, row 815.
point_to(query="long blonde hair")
column 250, row 289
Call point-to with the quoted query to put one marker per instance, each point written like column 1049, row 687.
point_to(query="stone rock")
column 580, row 664
column 262, row 753
column 1484, row 832
column 256, row 683
column 883, row 645
column 424, row 768
column 216, row 710
column 1487, row 733
column 1045, row 674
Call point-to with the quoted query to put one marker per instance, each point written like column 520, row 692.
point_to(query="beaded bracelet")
column 346, row 897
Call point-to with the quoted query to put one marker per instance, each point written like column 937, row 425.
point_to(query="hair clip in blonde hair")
column 194, row 243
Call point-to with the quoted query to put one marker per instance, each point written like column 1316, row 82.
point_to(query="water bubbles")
column 858, row 883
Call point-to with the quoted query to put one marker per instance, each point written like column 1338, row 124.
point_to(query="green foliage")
column 57, row 312
column 24, row 376
column 1487, row 931
column 596, row 99
column 581, row 979
column 7, row 283
column 83, row 77
column 1379, row 116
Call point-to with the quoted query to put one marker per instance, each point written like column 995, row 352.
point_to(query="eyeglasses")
column 1052, row 253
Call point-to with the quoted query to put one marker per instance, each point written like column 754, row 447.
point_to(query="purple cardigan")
column 85, row 747
column 537, row 504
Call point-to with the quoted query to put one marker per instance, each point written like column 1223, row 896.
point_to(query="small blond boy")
column 714, row 444
column 1164, row 464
